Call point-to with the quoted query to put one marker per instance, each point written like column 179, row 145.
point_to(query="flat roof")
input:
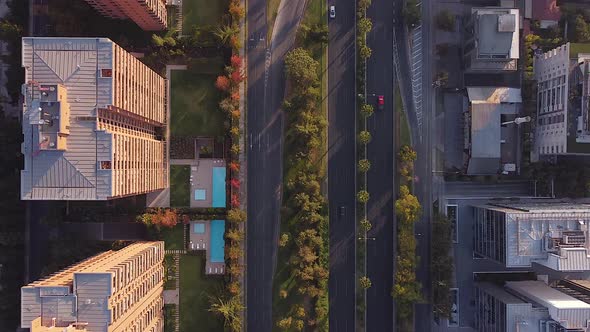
column 546, row 296
column 497, row 33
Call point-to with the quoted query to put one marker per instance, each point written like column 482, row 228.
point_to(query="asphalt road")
column 380, row 178
column 341, row 165
column 266, row 91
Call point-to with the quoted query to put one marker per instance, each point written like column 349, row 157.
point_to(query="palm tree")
column 225, row 32
column 231, row 310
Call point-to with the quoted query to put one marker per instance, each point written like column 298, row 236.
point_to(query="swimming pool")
column 218, row 190
column 216, row 242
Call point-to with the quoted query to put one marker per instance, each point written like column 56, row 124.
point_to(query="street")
column 341, row 165
column 380, row 178
column 266, row 92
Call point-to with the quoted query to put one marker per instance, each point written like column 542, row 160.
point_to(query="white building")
column 94, row 121
column 492, row 43
column 562, row 121
column 550, row 233
column 528, row 306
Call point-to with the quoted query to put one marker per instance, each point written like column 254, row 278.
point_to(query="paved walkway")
column 173, row 296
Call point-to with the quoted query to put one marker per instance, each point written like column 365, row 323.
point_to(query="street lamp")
column 518, row 120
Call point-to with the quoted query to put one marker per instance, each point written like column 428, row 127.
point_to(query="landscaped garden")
column 173, row 237
column 179, row 185
column 202, row 13
column 196, row 291
column 193, row 102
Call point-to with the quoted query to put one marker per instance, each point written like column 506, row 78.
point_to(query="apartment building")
column 492, row 40
column 112, row 291
column 551, row 233
column 150, row 15
column 562, row 121
column 94, row 121
column 529, row 306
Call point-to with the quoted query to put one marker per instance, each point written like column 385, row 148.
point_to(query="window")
column 106, row 72
column 105, row 164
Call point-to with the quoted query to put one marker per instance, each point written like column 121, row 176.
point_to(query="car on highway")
column 380, row 102
column 342, row 211
column 332, row 11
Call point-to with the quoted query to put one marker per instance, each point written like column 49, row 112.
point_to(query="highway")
column 266, row 91
column 380, row 178
column 341, row 165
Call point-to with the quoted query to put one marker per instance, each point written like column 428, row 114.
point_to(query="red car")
column 380, row 102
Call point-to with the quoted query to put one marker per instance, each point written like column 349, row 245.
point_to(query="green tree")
column 225, row 33
column 445, row 20
column 301, row 67
column 364, row 165
column 365, row 225
column 407, row 154
column 284, row 240
column 364, row 137
column 412, row 13
column 365, row 282
column 231, row 310
column 365, row 51
column 407, row 206
column 236, row 216
column 581, row 30
column 364, row 4
column 367, row 110
column 364, row 25
column 363, row 196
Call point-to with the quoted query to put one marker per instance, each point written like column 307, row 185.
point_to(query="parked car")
column 332, row 11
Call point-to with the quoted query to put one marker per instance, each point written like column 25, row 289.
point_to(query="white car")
column 332, row 11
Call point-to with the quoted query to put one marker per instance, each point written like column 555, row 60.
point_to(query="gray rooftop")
column 497, row 33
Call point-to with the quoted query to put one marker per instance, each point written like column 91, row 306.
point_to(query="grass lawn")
column 169, row 322
column 195, row 290
column 169, row 272
column 576, row 48
column 179, row 185
column 194, row 104
column 272, row 8
column 404, row 129
column 202, row 13
column 173, row 237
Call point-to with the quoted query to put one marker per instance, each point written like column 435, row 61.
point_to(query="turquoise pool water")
column 200, row 194
column 217, row 242
column 218, row 190
column 199, row 228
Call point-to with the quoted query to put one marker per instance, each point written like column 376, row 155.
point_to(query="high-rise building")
column 94, row 122
column 112, row 291
column 549, row 233
column 529, row 306
column 562, row 121
column 492, row 40
column 150, row 15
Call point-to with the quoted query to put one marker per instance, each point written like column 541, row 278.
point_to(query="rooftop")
column 497, row 33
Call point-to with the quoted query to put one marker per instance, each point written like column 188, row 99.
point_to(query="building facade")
column 550, row 233
column 528, row 306
column 150, row 15
column 492, row 40
column 112, row 291
column 562, row 121
column 94, row 122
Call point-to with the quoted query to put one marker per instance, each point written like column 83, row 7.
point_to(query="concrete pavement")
column 380, row 178
column 341, row 165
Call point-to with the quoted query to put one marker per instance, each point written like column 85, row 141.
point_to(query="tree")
column 222, row 83
column 364, row 165
column 365, row 282
column 364, row 4
column 234, row 234
column 412, row 13
column 234, row 288
column 442, row 77
column 364, row 137
column 407, row 206
column 367, row 110
column 285, row 323
column 236, row 11
column 365, row 51
column 364, row 25
column 225, row 33
column 445, row 21
column 301, row 68
column 581, row 30
column 362, row 196
column 236, row 216
column 231, row 310
column 284, row 240
column 407, row 154
column 365, row 225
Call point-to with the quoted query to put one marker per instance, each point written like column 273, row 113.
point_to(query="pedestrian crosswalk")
column 416, row 71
